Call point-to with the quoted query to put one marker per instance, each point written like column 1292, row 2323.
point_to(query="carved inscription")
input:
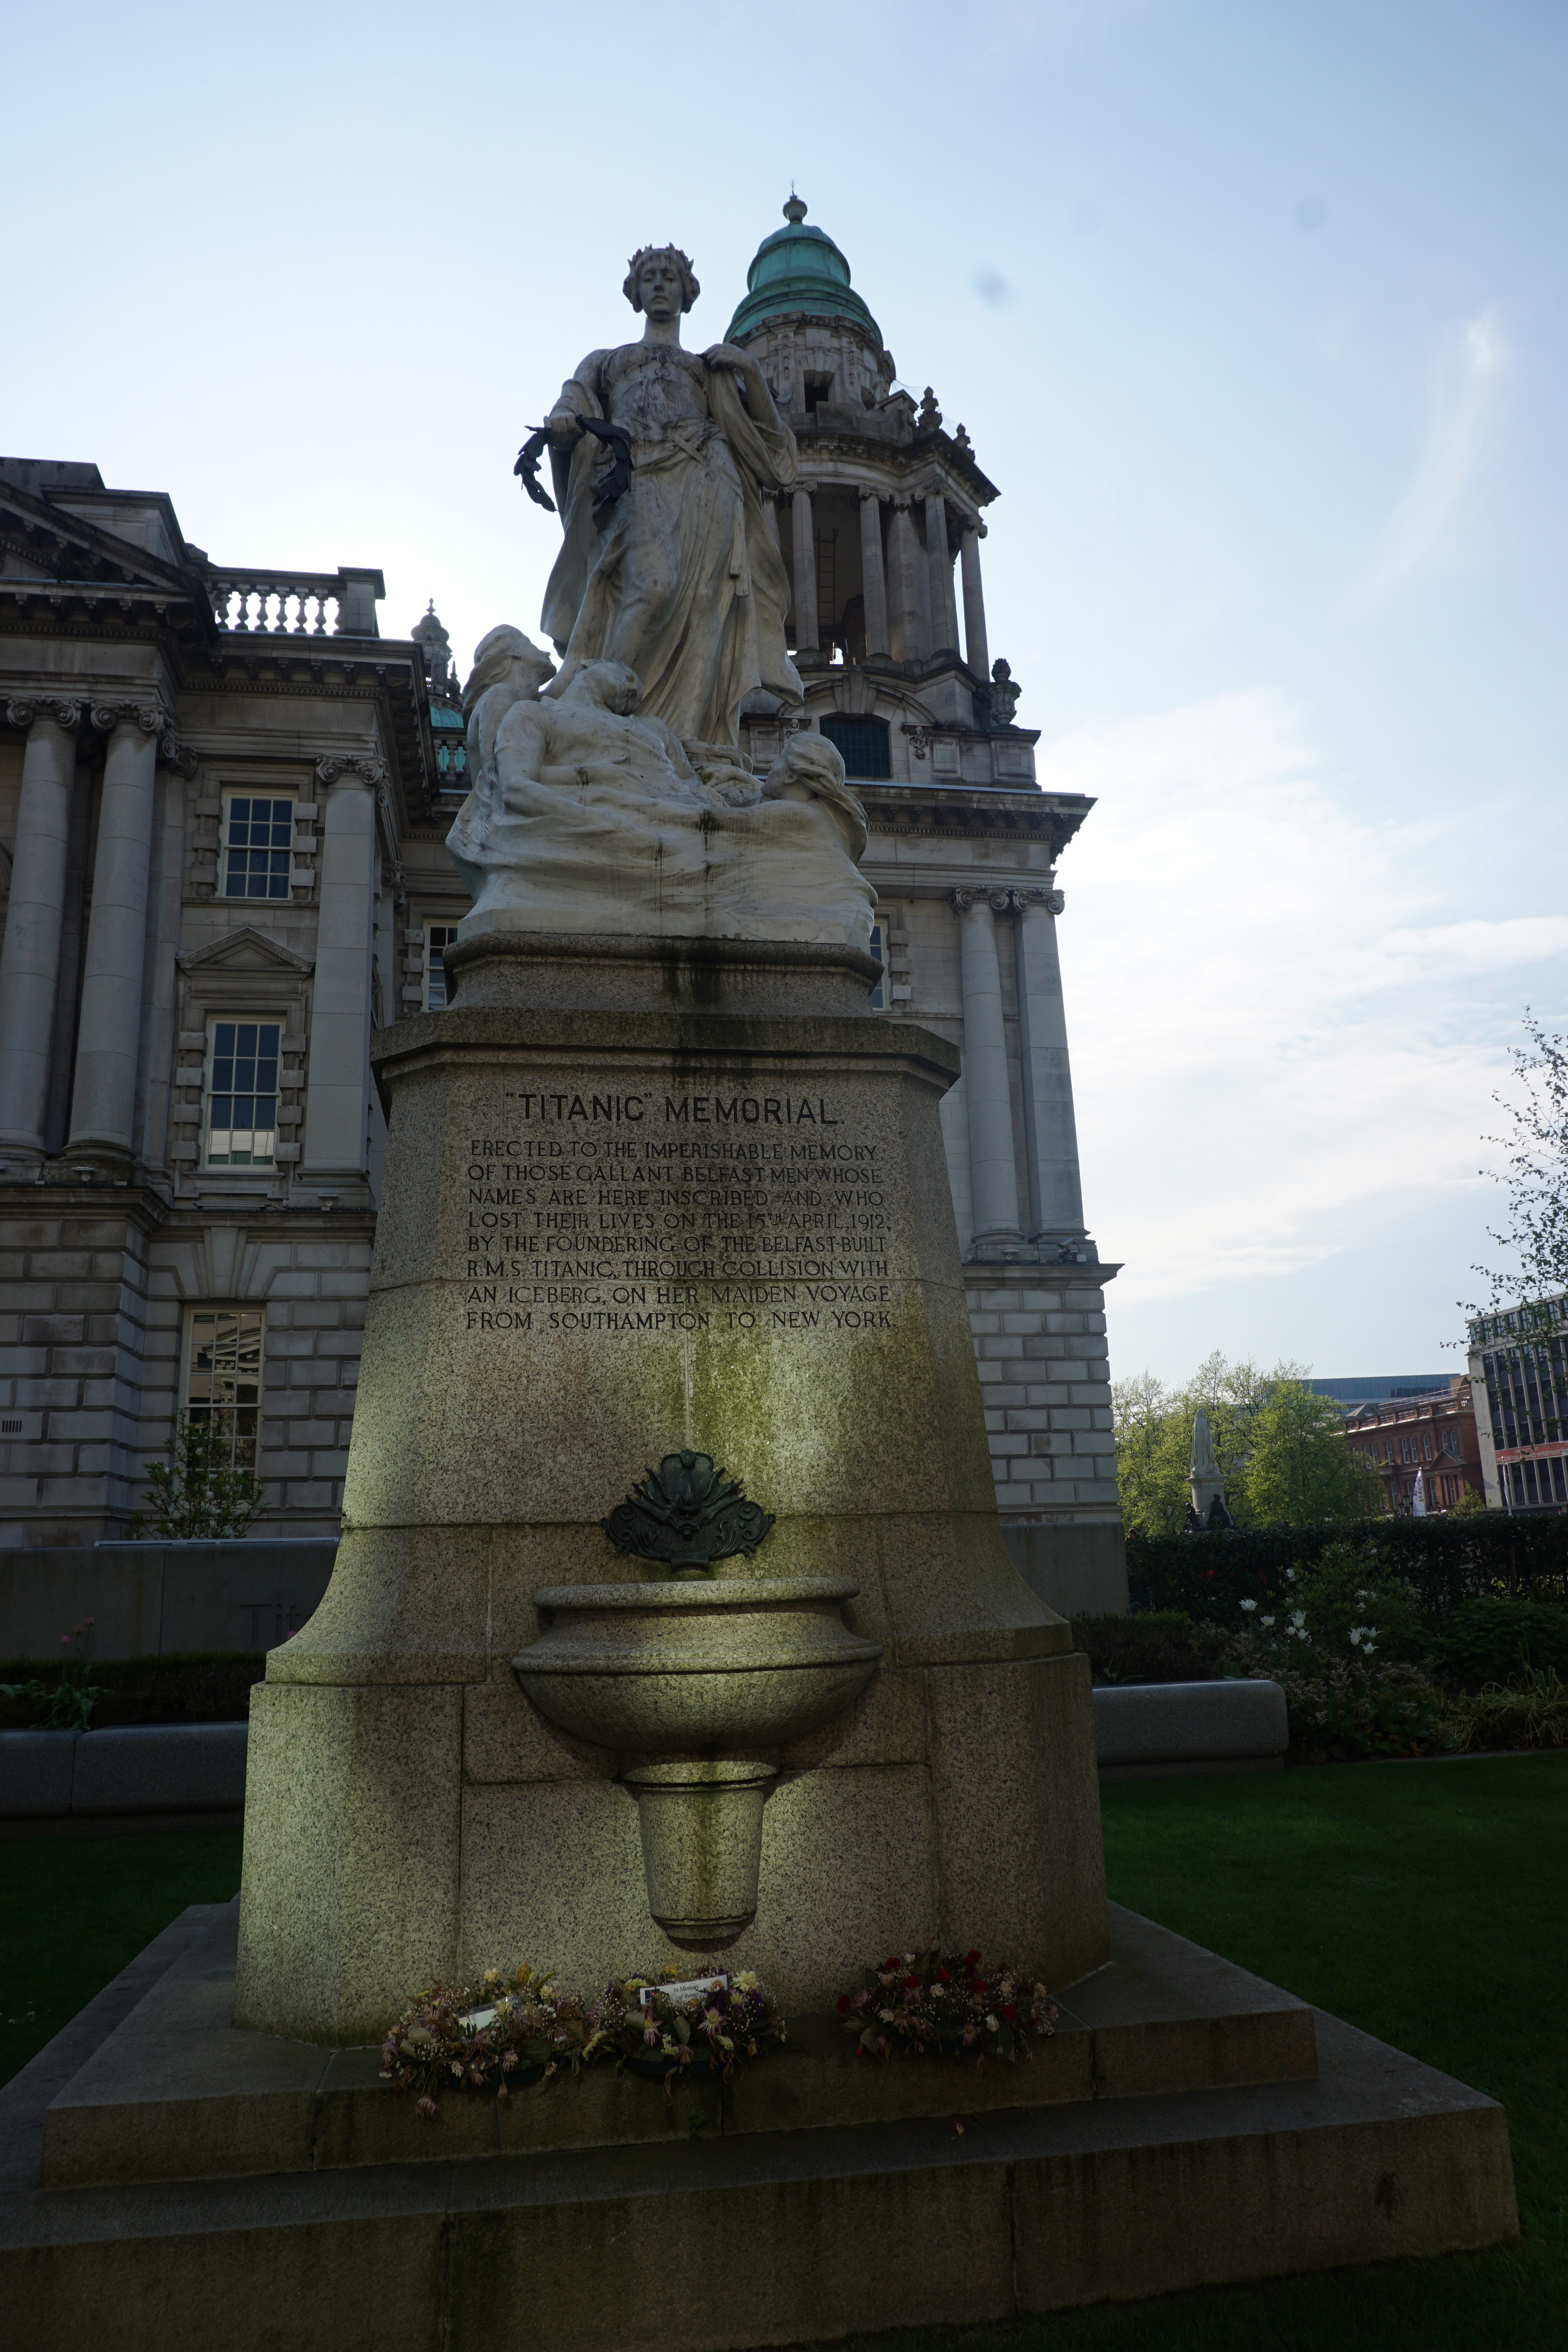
column 666, row 1212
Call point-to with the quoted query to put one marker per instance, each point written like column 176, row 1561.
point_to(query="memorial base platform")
column 167, row 2180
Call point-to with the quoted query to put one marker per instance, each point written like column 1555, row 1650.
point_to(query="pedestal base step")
column 776, row 2234
column 179, row 2092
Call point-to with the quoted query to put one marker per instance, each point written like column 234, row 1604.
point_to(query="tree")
column 1535, row 1171
column 1151, row 1456
column 1301, row 1471
column 1281, row 1449
column 199, row 1492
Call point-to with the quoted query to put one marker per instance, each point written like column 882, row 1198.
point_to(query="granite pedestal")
column 606, row 1234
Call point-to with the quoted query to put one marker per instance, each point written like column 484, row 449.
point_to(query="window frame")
column 250, row 793
column 881, row 992
column 244, row 1446
column 230, row 1166
column 863, row 718
column 449, row 932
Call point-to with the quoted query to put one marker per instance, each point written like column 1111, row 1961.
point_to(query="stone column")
column 873, row 579
column 909, row 630
column 160, row 976
column 337, row 1091
column 993, row 1172
column 1056, row 1190
column 939, row 565
column 976, row 652
column 30, row 958
column 804, row 573
column 103, row 1099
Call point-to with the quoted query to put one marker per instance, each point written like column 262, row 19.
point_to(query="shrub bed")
column 193, row 1687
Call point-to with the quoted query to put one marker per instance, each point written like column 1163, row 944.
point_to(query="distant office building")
column 1433, row 1431
column 1372, row 1388
column 1519, row 1362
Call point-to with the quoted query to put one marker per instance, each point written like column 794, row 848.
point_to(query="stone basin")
column 682, row 1675
column 659, row 1669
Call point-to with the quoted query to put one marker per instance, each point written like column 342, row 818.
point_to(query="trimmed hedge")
column 191, row 1687
column 1447, row 1561
column 1162, row 1647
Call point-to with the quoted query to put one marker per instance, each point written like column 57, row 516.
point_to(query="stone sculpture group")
column 612, row 796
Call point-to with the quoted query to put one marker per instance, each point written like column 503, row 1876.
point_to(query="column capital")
column 870, row 495
column 175, row 754
column 352, row 769
column 964, row 897
column 151, row 717
column 1053, row 901
column 22, row 709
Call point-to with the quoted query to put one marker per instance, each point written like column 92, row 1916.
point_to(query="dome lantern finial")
column 798, row 271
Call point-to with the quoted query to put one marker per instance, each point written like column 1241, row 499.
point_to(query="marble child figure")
column 681, row 580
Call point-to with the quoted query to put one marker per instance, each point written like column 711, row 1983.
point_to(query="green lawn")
column 75, row 1911
column 1427, row 1903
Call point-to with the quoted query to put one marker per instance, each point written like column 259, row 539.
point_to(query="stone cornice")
column 956, row 812
column 1040, row 1272
column 881, row 459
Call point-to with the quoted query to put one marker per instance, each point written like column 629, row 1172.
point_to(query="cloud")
column 1280, row 1020
column 1467, row 377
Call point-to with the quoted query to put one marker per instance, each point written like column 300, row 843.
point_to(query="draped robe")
column 683, row 583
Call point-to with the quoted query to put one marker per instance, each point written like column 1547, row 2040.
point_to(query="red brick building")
column 1435, row 1434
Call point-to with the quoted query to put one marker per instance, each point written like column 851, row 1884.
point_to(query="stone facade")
column 145, row 690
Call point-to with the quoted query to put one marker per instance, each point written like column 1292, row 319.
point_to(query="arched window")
column 862, row 745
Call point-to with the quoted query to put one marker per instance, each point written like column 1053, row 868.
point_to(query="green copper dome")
column 799, row 268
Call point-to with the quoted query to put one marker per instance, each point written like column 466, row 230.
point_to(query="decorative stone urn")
column 693, row 1678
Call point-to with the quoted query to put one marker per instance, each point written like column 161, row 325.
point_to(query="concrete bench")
column 1217, row 1727
column 36, row 1769
column 162, row 1769
column 199, row 1768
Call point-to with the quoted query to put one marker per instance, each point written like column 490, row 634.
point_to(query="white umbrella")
column 1418, row 1496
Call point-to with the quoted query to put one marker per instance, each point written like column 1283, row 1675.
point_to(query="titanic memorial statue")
column 616, row 801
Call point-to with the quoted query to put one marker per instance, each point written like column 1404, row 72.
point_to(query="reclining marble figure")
column 587, row 815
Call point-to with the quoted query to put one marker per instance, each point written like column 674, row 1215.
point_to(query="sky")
column 1254, row 311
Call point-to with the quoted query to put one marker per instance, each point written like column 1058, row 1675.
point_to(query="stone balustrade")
column 295, row 604
column 277, row 604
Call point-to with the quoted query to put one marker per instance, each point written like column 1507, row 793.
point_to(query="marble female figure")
column 682, row 581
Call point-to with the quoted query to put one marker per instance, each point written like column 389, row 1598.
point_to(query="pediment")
column 246, row 950
column 108, row 538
